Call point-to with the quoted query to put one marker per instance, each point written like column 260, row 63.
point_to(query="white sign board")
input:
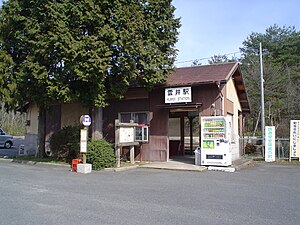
column 126, row 134
column 83, row 147
column 269, row 143
column 295, row 139
column 178, row 95
column 83, row 140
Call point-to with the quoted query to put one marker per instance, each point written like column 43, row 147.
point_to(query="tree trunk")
column 256, row 123
column 41, row 132
column 97, row 123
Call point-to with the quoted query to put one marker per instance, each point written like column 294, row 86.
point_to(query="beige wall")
column 32, row 115
column 231, row 95
column 70, row 114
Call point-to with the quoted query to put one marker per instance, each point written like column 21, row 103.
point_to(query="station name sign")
column 295, row 139
column 178, row 95
column 270, row 144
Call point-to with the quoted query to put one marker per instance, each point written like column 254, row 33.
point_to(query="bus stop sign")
column 86, row 120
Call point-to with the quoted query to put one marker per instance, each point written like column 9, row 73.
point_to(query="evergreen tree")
column 84, row 51
column 281, row 61
column 221, row 59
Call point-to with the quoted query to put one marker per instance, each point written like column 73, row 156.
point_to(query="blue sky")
column 217, row 27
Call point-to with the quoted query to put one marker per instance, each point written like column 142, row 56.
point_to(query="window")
column 137, row 117
column 140, row 118
column 125, row 117
column 141, row 134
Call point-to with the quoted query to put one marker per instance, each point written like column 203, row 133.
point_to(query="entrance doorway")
column 183, row 132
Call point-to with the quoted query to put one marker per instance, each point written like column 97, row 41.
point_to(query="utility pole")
column 262, row 96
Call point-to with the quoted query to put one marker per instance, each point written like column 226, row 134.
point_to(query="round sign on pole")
column 86, row 120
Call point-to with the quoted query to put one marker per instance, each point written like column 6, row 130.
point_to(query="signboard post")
column 294, row 139
column 269, row 143
column 124, row 136
column 86, row 121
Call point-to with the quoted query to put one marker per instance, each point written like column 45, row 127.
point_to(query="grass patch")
column 286, row 161
column 279, row 161
column 127, row 163
column 35, row 159
column 259, row 159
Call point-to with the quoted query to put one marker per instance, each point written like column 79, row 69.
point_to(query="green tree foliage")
column 281, row 61
column 82, row 51
column 86, row 51
column 221, row 59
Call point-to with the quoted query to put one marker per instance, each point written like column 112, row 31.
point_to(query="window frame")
column 143, row 133
column 132, row 116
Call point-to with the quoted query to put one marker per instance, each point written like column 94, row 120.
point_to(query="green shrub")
column 100, row 154
column 64, row 144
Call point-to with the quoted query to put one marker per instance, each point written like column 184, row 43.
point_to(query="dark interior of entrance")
column 183, row 131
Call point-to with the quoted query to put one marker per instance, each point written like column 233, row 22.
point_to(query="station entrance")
column 183, row 131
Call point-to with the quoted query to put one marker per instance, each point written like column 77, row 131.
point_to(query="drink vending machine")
column 215, row 144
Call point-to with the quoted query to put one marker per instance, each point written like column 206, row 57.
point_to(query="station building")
column 171, row 111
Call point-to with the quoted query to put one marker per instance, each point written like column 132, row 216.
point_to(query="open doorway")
column 174, row 137
column 192, row 134
column 183, row 133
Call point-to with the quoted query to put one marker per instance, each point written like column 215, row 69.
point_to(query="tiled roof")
column 215, row 73
column 201, row 74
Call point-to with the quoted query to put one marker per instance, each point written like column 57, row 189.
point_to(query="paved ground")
column 264, row 194
column 187, row 163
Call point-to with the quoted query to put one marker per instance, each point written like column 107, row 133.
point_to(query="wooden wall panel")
column 157, row 148
column 207, row 95
column 110, row 113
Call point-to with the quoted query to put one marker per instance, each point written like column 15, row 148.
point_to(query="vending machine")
column 215, row 141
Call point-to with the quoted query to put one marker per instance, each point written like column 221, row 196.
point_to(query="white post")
column 132, row 154
column 118, row 156
column 83, row 143
column 117, row 141
column 262, row 96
